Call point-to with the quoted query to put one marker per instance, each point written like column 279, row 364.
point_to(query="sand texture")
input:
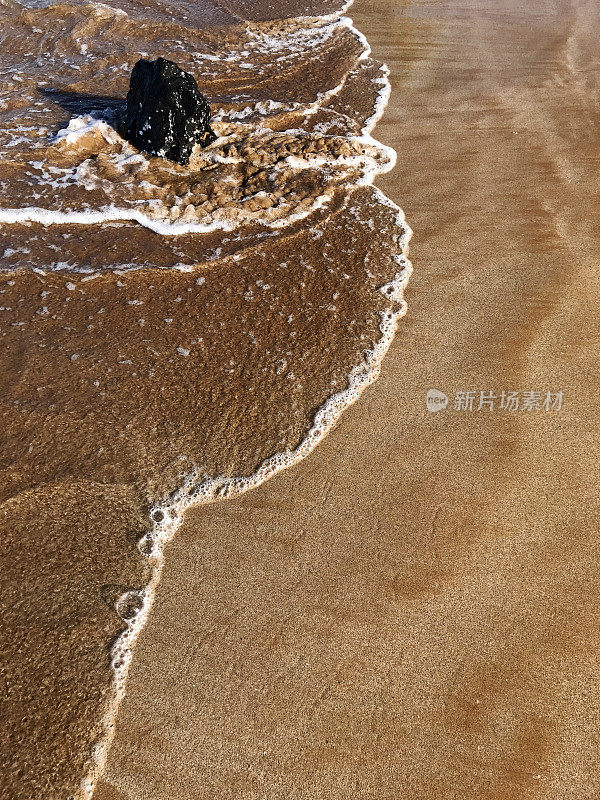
column 413, row 611
column 169, row 335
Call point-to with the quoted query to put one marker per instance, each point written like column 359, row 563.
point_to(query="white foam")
column 153, row 218
column 46, row 216
column 79, row 126
column 196, row 489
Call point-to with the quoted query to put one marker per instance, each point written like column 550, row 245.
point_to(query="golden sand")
column 413, row 611
column 135, row 354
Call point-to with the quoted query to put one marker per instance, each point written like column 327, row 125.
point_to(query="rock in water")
column 166, row 112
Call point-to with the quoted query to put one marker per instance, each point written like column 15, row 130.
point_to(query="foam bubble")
column 196, row 488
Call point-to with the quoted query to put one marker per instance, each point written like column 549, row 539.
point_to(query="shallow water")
column 170, row 335
column 413, row 611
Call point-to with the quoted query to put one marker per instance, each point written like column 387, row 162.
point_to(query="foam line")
column 167, row 515
column 196, row 489
column 47, row 216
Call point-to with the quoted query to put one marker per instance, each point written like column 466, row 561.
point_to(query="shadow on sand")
column 101, row 106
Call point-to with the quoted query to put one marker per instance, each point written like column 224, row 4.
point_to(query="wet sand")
column 412, row 611
column 170, row 335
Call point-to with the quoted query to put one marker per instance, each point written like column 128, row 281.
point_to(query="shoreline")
column 167, row 515
column 411, row 611
column 144, row 376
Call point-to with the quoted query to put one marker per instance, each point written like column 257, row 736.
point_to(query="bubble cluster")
column 276, row 162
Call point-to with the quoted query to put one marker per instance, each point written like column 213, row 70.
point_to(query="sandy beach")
column 174, row 332
column 408, row 613
column 412, row 611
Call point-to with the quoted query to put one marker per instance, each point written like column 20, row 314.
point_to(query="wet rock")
column 166, row 112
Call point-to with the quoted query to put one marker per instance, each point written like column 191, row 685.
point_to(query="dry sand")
column 412, row 613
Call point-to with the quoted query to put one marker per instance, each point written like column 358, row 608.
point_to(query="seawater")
column 179, row 325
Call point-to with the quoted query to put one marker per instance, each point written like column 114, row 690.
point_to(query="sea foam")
column 252, row 118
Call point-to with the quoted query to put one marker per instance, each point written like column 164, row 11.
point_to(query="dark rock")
column 166, row 113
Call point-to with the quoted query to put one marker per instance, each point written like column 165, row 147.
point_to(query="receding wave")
column 171, row 335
